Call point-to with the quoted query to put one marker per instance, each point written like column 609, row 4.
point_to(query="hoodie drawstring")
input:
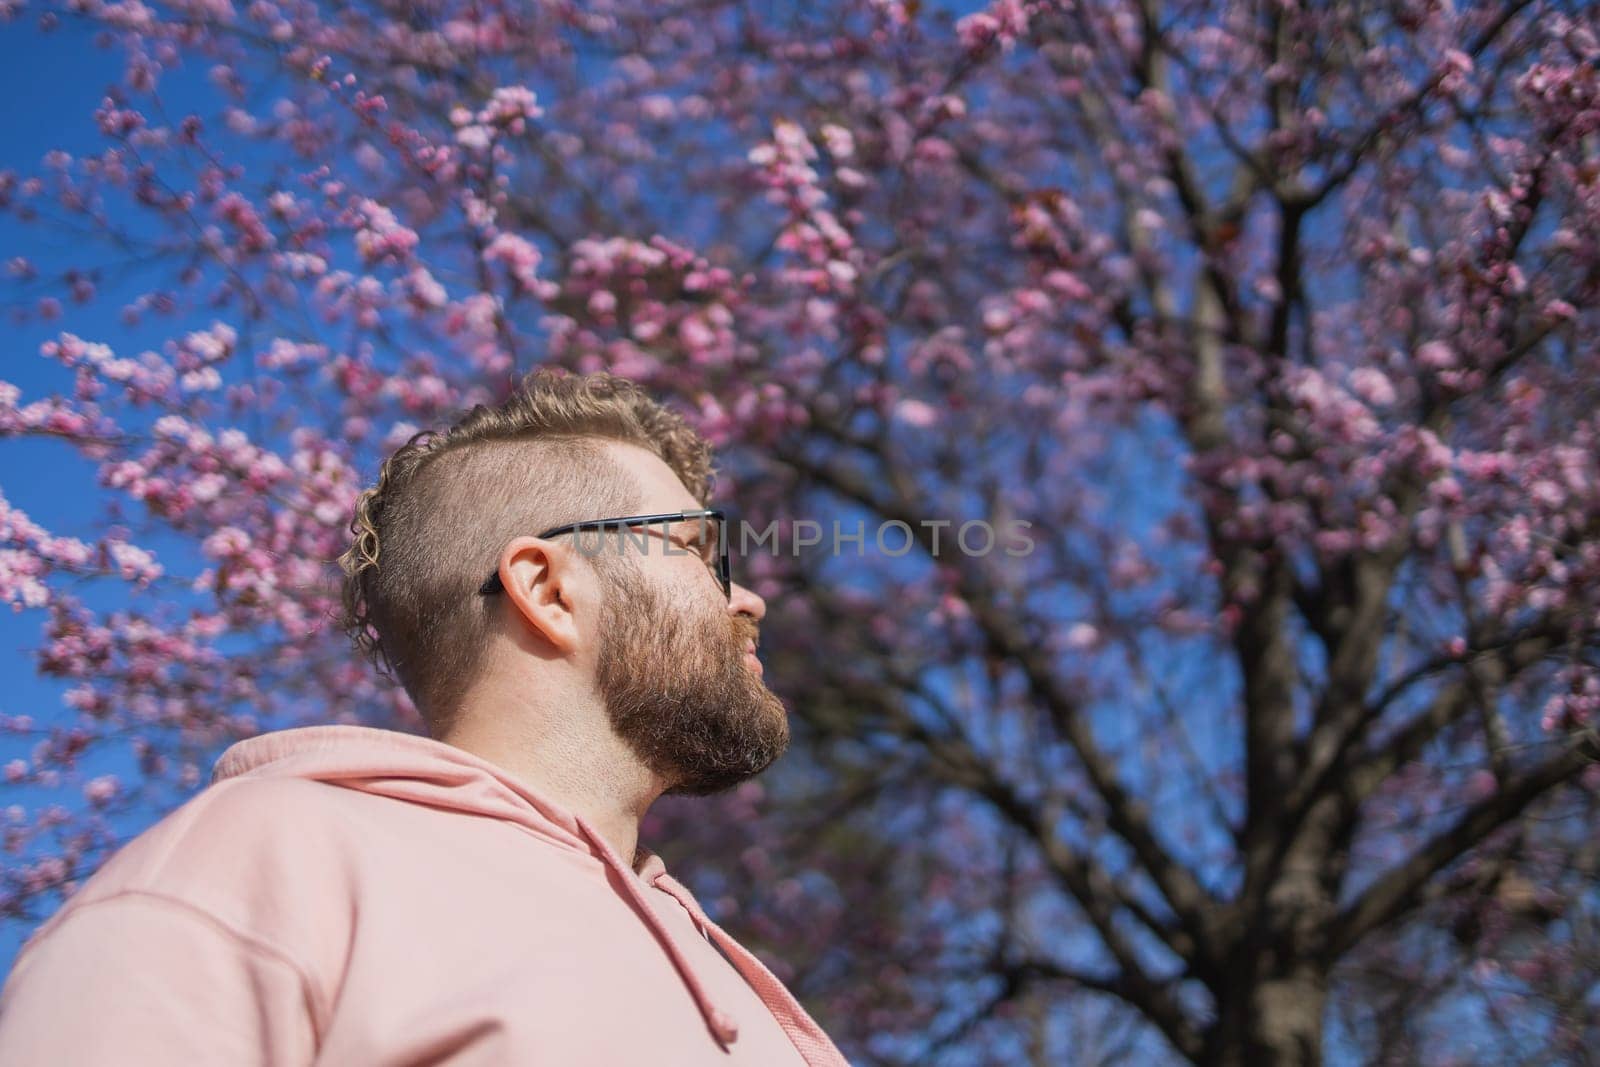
column 813, row 1044
column 720, row 1022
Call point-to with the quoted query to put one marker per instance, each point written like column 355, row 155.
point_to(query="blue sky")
column 54, row 81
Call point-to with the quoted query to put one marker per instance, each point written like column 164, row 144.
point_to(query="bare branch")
column 1126, row 815
column 1399, row 890
column 1406, row 109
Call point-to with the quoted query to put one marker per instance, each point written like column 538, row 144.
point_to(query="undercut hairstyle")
column 448, row 501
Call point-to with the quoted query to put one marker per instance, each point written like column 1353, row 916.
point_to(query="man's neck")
column 595, row 777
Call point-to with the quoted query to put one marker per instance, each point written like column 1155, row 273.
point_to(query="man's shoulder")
column 246, row 869
column 237, row 814
column 243, row 850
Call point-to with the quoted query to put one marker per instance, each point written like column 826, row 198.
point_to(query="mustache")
column 746, row 631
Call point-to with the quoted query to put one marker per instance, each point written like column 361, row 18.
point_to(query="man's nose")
column 742, row 601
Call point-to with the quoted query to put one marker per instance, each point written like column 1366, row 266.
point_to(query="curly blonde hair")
column 447, row 502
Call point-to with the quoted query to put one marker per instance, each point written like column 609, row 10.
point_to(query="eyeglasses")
column 713, row 543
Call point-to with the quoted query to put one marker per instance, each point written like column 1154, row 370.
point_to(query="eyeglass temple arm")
column 492, row 584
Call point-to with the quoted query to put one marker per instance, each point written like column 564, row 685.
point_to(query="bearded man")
column 544, row 579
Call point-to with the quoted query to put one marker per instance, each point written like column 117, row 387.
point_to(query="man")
column 353, row 896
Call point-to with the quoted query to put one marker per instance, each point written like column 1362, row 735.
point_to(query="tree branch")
column 1125, row 815
column 1096, row 892
column 1407, row 108
column 1399, row 890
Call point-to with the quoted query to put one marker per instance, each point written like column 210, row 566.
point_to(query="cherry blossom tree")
column 1273, row 322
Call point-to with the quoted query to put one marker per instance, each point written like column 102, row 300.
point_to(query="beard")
column 678, row 691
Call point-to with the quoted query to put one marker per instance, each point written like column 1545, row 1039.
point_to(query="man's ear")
column 546, row 583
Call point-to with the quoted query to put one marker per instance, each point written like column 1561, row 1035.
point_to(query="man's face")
column 676, row 680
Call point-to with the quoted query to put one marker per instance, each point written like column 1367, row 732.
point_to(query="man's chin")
column 710, row 784
column 761, row 752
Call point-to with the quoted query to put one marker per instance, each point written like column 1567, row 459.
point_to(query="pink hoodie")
column 344, row 895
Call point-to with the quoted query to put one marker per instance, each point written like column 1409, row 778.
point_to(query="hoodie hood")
column 420, row 770
column 406, row 767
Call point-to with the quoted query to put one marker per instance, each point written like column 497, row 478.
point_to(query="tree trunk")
column 1272, row 998
column 1273, row 1021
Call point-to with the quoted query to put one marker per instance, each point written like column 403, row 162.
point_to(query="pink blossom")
column 522, row 259
column 475, row 137
column 133, row 563
column 102, row 790
column 380, row 236
column 839, row 141
column 510, row 105
column 226, row 542
column 1436, row 355
column 1004, row 23
column 1373, row 386
column 916, row 413
column 695, row 333
column 1081, row 635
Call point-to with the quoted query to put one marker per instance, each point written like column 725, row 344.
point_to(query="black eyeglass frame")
column 724, row 574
